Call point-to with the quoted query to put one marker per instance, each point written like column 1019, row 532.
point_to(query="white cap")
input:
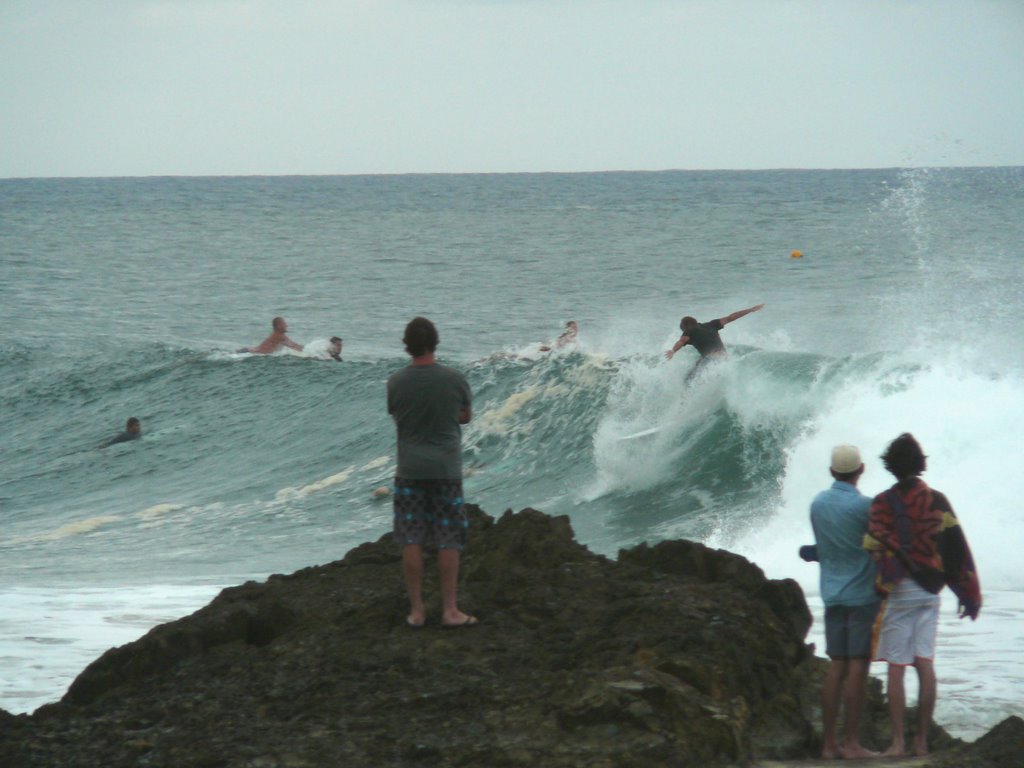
column 846, row 459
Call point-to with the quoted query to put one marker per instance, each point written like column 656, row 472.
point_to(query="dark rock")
column 1002, row 747
column 671, row 655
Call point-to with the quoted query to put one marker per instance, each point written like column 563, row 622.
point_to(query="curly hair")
column 904, row 457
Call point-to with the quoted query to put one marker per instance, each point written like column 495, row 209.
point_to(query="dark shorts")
column 848, row 630
column 430, row 511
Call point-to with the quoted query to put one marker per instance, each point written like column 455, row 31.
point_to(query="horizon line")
column 505, row 173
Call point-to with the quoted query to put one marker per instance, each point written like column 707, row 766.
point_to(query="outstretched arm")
column 683, row 341
column 739, row 313
column 291, row 344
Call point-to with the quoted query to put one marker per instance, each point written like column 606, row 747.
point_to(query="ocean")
column 130, row 296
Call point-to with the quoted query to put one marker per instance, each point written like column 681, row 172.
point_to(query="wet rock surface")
column 668, row 655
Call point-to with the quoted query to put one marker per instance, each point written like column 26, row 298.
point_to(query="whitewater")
column 129, row 297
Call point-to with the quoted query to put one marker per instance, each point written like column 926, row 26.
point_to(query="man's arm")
column 291, row 344
column 738, row 314
column 683, row 341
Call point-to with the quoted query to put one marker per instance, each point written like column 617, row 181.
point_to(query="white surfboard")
column 642, row 433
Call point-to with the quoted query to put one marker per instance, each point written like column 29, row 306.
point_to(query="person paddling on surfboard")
column 704, row 337
column 132, row 431
column 335, row 349
column 277, row 339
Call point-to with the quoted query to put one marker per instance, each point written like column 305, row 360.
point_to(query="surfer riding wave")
column 704, row 337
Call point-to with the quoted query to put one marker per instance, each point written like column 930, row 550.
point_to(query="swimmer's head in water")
column 279, row 325
column 687, row 322
column 132, row 425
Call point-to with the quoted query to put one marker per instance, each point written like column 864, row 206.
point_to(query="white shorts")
column 908, row 632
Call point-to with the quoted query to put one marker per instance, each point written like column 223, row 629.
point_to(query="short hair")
column 132, row 422
column 904, row 457
column 687, row 322
column 276, row 322
column 848, row 476
column 335, row 340
column 420, row 337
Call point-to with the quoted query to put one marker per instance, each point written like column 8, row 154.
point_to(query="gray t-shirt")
column 425, row 401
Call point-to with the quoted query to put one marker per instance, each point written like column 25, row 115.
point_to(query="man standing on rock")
column 429, row 402
column 919, row 547
column 839, row 517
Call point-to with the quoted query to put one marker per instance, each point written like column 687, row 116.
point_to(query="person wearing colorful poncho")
column 919, row 547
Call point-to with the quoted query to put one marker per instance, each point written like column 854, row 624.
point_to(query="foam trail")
column 76, row 528
column 338, row 478
column 502, row 418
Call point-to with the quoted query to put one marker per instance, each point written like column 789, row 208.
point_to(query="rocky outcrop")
column 669, row 655
column 1002, row 747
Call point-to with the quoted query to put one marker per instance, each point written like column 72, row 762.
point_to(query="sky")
column 269, row 87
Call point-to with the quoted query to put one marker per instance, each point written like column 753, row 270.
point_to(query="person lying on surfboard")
column 277, row 339
column 704, row 337
column 335, row 349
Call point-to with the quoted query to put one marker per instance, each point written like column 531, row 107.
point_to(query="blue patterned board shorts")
column 849, row 630
column 428, row 510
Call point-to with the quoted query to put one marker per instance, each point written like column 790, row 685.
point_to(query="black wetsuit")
column 124, row 437
column 705, row 339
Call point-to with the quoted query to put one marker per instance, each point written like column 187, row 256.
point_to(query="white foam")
column 74, row 528
column 328, row 482
column 501, row 419
column 969, row 425
column 317, row 349
column 49, row 635
column 157, row 511
column 380, row 461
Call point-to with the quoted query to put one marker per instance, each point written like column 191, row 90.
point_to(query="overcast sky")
column 197, row 87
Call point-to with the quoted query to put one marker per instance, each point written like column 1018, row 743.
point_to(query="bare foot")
column 830, row 754
column 456, row 619
column 855, row 752
column 920, row 748
column 895, row 750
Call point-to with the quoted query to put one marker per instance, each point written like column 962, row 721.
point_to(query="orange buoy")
column 796, row 255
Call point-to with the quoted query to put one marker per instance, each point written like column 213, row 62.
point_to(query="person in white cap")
column 839, row 517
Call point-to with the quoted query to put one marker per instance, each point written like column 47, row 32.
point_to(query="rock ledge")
column 670, row 655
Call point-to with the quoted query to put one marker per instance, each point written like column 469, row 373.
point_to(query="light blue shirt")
column 839, row 517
